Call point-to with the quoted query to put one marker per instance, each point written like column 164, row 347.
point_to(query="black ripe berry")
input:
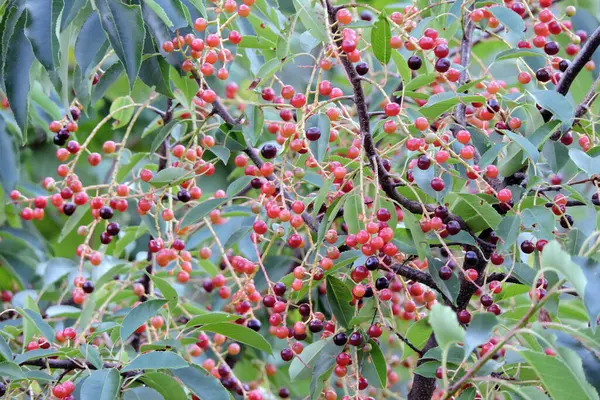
column 184, row 196
column 442, row 65
column 106, row 212
column 313, row 133
column 471, row 258
column 372, row 263
column 542, row 75
column 254, row 324
column 268, row 151
column 362, row 68
column 414, row 62
column 69, row 209
column 340, row 339
column 88, row 286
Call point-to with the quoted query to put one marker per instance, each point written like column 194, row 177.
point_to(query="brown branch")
column 408, row 342
column 587, row 101
column 421, row 277
column 466, row 46
column 73, row 365
column 582, row 58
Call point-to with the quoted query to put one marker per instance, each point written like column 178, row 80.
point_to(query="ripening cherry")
column 477, row 15
column 344, row 16
column 392, row 109
column 524, row 77
column 504, row 195
column 463, row 136
column 421, row 123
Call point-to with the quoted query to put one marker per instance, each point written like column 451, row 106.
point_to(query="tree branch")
column 575, row 68
column 221, row 110
column 73, row 364
column 466, row 45
column 421, row 277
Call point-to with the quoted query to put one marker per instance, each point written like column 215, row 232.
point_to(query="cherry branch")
column 73, row 364
column 582, row 58
column 421, row 277
column 221, row 111
column 466, row 46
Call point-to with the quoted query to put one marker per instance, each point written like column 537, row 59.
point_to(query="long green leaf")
column 125, row 29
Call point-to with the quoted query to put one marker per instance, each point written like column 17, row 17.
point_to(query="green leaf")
column 9, row 164
column 170, row 11
column 5, row 350
column 268, row 69
column 479, row 331
column 442, row 102
column 164, row 132
column 156, row 360
column 10, row 369
column 340, row 297
column 319, row 148
column 142, row 393
column 560, row 381
column 236, row 186
column 321, row 196
column 253, row 126
column 510, row 19
column 489, row 156
column 63, row 311
column 70, row 10
column 352, row 209
column 402, row 66
column 124, row 27
column 420, row 81
column 17, row 63
column 200, row 211
column 380, row 39
column 199, row 4
column 477, row 212
column 222, row 152
column 239, row 333
column 516, row 53
column 102, row 384
column 585, row 162
column 127, row 168
column 91, row 354
column 508, row 231
column 590, row 268
column 543, row 133
column 556, row 259
column 553, row 101
column 530, row 149
column 167, row 291
column 302, row 367
column 308, row 15
column 445, row 325
column 42, row 326
column 374, row 367
column 201, row 382
column 123, row 116
column 42, row 17
column 33, row 354
column 139, row 315
column 165, row 384
column 418, row 237
column 211, row 318
column 73, row 221
column 169, row 176
column 154, row 70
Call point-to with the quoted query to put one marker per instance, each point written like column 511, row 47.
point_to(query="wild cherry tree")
column 299, row 199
